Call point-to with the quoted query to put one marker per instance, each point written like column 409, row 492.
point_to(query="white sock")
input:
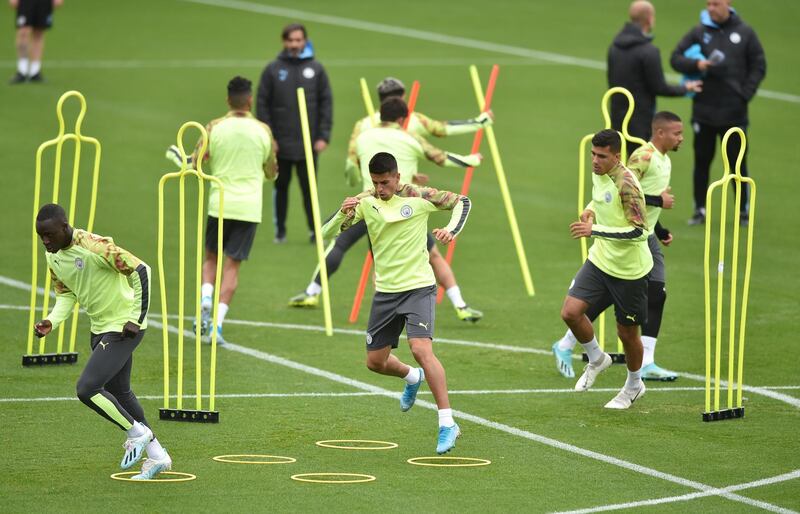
column 454, row 293
column 155, row 450
column 634, row 379
column 567, row 342
column 593, row 350
column 649, row 345
column 137, row 430
column 413, row 376
column 22, row 66
column 36, row 67
column 207, row 295
column 313, row 289
column 223, row 310
column 446, row 418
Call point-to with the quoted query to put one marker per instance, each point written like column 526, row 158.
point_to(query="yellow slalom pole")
column 312, row 184
column 501, row 179
column 367, row 100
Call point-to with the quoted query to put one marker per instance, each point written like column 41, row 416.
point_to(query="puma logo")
column 101, row 343
column 423, row 325
column 377, row 209
column 631, row 317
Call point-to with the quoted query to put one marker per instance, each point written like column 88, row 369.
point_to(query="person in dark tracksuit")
column 635, row 64
column 276, row 105
column 733, row 65
column 113, row 286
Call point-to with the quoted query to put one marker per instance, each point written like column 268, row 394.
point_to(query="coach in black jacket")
column 635, row 64
column 733, row 65
column 277, row 107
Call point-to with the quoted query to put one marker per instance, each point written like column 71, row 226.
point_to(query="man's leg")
column 705, row 142
column 302, row 177
column 447, row 279
column 656, row 298
column 22, row 42
column 280, row 198
column 422, row 350
column 36, row 51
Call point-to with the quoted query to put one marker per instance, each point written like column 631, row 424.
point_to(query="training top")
column 653, row 169
column 240, row 154
column 620, row 225
column 398, row 231
column 112, row 284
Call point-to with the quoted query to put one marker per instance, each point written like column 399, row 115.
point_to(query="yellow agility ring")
column 465, row 462
column 244, row 459
column 125, row 476
column 379, row 445
column 357, row 478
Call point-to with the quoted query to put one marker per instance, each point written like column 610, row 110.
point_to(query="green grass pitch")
column 146, row 67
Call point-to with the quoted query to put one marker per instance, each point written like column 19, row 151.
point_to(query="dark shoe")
column 36, row 78
column 18, row 78
column 744, row 220
column 312, row 238
column 699, row 217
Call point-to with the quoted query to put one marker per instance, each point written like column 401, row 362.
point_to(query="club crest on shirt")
column 608, row 197
column 308, row 73
column 283, row 74
column 735, row 38
column 706, row 38
column 406, row 211
column 79, row 263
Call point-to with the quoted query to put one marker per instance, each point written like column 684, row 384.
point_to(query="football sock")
column 454, row 294
column 649, row 345
column 593, row 350
column 634, row 377
column 22, row 66
column 446, row 418
column 206, row 295
column 223, row 310
column 36, row 67
column 413, row 376
column 313, row 289
column 137, row 430
column 567, row 342
column 155, row 450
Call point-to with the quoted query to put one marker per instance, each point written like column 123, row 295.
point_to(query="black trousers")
column 705, row 146
column 281, row 193
column 108, row 374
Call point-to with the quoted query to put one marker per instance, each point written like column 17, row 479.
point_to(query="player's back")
column 390, row 138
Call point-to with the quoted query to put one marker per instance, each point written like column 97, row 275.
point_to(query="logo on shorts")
column 369, row 339
column 406, row 211
column 283, row 74
column 608, row 197
column 735, row 38
column 79, row 263
column 103, row 345
column 423, row 325
column 572, row 284
column 308, row 73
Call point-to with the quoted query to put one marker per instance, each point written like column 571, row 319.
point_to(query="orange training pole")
column 362, row 282
column 476, row 145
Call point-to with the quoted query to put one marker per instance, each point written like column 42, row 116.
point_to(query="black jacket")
column 728, row 86
column 276, row 103
column 635, row 64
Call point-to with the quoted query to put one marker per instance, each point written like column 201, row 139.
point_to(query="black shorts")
column 237, row 237
column 600, row 290
column 35, row 13
column 414, row 310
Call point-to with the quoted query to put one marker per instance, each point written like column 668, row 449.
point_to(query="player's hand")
column 486, row 118
column 695, row 86
column 443, row 235
column 587, row 216
column 580, row 229
column 473, row 159
column 668, row 239
column 420, row 179
column 703, row 64
column 13, row 3
column 349, row 204
column 667, row 198
column 130, row 330
column 42, row 328
column 320, row 145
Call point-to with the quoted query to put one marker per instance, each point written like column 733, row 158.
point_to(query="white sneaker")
column 134, row 448
column 626, row 397
column 152, row 467
column 590, row 373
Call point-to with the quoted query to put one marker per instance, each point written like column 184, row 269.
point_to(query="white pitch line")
column 686, row 497
column 424, row 35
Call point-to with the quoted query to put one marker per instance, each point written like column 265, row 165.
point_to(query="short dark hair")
column 608, row 137
column 389, row 87
column 51, row 211
column 288, row 29
column 665, row 117
column 382, row 162
column 393, row 108
column 239, row 90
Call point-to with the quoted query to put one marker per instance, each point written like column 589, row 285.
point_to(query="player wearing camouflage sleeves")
column 405, row 285
column 616, row 269
column 113, row 286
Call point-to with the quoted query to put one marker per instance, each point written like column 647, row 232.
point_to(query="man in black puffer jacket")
column 635, row 64
column 733, row 65
column 277, row 107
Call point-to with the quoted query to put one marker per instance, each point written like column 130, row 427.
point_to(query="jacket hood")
column 306, row 54
column 705, row 19
column 631, row 35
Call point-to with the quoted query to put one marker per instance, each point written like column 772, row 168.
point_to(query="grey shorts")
column 600, row 290
column 413, row 310
column 237, row 237
column 658, row 273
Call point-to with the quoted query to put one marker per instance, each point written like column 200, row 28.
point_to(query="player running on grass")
column 616, row 270
column 408, row 149
column 113, row 286
column 653, row 167
column 405, row 285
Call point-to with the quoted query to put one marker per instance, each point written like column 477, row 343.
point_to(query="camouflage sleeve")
column 341, row 221
column 432, row 153
column 352, row 153
column 639, row 161
column 196, row 151
column 65, row 301
column 433, row 127
column 352, row 166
